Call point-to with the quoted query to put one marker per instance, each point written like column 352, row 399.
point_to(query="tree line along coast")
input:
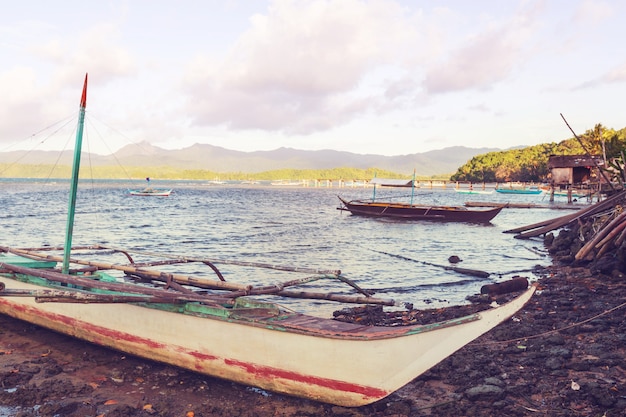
column 524, row 164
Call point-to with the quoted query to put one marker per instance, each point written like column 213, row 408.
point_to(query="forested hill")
column 207, row 162
column 212, row 160
column 531, row 163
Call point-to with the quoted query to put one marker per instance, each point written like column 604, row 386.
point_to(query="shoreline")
column 563, row 354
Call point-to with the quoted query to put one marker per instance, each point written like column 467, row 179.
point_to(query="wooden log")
column 542, row 223
column 467, row 271
column 620, row 238
column 512, row 285
column 587, row 247
column 603, row 249
column 616, row 229
column 610, row 239
column 564, row 220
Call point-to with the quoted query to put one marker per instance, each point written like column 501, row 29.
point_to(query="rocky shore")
column 564, row 354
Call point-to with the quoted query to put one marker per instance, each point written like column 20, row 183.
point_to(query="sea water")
column 290, row 226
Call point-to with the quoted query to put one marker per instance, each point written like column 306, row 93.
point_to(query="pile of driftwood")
column 600, row 227
column 376, row 316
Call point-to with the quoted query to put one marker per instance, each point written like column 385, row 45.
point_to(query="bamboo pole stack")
column 611, row 232
column 609, row 227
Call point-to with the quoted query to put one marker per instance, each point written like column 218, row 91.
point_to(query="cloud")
column 97, row 49
column 616, row 75
column 20, row 102
column 43, row 92
column 592, row 12
column 484, row 58
column 298, row 67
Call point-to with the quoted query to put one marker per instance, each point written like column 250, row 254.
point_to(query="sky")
column 384, row 77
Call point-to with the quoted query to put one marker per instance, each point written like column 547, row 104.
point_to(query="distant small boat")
column 527, row 190
column 392, row 182
column 151, row 192
column 468, row 191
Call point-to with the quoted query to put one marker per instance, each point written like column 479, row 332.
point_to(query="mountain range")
column 222, row 160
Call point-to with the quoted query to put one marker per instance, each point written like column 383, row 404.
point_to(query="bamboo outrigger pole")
column 69, row 229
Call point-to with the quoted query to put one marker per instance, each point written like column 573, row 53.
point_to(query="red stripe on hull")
column 86, row 327
column 271, row 373
column 256, row 372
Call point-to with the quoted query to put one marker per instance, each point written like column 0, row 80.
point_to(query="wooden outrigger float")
column 212, row 326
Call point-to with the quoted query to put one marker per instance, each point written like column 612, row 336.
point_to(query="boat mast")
column 413, row 187
column 74, row 182
column 374, row 192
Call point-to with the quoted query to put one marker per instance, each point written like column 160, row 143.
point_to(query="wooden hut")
column 574, row 172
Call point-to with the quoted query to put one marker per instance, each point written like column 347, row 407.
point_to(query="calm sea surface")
column 291, row 226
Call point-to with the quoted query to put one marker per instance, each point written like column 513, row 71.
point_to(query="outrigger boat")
column 116, row 298
column 150, row 192
column 411, row 211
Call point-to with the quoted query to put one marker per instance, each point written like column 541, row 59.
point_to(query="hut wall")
column 562, row 176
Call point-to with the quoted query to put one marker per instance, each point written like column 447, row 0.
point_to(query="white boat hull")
column 326, row 368
column 150, row 193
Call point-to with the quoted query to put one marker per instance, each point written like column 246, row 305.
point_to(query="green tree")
column 530, row 164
